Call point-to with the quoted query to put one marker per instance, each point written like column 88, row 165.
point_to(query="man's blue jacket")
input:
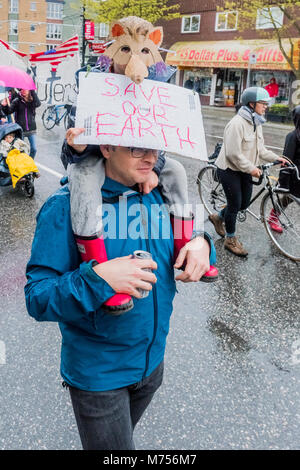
column 101, row 351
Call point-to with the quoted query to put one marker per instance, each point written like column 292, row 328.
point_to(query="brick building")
column 31, row 26
column 211, row 60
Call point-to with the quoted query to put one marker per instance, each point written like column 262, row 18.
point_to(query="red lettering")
column 99, row 124
column 161, row 96
column 145, row 129
column 163, row 131
column 127, row 89
column 113, row 85
column 133, row 108
column 220, row 54
column 148, row 98
column 157, row 115
column 235, row 56
column 129, row 128
column 188, row 140
column 191, row 54
column 246, row 56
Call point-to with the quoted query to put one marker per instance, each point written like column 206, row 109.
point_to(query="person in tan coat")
column 242, row 151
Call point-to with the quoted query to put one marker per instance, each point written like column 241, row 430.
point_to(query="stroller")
column 16, row 168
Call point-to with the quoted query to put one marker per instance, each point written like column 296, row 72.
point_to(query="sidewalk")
column 226, row 113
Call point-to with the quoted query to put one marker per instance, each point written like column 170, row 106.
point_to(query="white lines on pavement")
column 221, row 137
column 53, row 172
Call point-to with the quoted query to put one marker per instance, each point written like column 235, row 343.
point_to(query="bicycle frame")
column 265, row 177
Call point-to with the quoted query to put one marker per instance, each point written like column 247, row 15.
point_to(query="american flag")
column 55, row 56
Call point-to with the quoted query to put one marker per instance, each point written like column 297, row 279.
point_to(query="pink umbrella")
column 12, row 77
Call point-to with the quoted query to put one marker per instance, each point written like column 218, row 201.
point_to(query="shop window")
column 13, row 27
column 190, row 24
column 263, row 78
column 226, row 21
column 14, row 6
column 54, row 31
column 268, row 18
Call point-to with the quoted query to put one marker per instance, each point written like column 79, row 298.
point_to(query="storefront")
column 220, row 71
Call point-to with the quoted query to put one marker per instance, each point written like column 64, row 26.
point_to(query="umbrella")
column 12, row 77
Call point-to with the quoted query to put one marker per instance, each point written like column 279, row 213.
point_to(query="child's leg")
column 85, row 181
column 174, row 187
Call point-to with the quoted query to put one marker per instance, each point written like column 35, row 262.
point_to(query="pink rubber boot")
column 274, row 222
column 183, row 230
column 94, row 248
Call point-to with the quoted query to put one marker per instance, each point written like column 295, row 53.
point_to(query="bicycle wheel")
column 288, row 239
column 49, row 118
column 210, row 189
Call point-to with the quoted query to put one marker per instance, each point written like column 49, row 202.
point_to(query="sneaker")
column 232, row 244
column 218, row 224
column 274, row 222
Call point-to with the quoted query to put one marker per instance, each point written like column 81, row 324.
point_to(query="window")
column 54, row 11
column 14, row 6
column 32, row 6
column 14, row 45
column 103, row 30
column 190, row 24
column 226, row 21
column 54, row 31
column 13, row 27
column 32, row 49
column 32, row 28
column 268, row 17
column 50, row 47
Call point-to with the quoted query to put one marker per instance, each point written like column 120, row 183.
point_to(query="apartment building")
column 215, row 63
column 31, row 26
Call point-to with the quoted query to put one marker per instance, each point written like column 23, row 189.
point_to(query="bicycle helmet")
column 254, row 94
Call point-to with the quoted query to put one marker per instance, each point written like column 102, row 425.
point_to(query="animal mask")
column 135, row 47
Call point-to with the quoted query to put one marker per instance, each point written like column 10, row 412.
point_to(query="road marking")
column 221, row 137
column 53, row 172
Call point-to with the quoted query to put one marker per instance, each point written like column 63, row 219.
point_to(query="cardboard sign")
column 114, row 110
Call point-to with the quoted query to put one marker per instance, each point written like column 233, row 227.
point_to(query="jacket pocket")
column 249, row 142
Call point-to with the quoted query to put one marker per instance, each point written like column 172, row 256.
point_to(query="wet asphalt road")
column 232, row 369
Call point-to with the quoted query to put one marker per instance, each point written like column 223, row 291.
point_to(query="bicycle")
column 285, row 205
column 53, row 115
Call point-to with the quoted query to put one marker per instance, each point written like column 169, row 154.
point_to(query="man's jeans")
column 106, row 420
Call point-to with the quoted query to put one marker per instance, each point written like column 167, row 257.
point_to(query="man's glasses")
column 137, row 152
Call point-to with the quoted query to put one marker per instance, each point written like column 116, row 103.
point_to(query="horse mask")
column 134, row 48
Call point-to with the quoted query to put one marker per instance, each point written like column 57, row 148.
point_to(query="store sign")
column 89, row 30
column 232, row 54
column 114, row 110
column 98, row 47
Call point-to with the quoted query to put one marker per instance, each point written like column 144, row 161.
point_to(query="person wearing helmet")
column 242, row 151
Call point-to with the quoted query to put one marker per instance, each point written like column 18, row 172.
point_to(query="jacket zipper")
column 154, row 290
column 26, row 119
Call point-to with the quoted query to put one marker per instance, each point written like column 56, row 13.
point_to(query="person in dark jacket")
column 112, row 364
column 24, row 106
column 288, row 181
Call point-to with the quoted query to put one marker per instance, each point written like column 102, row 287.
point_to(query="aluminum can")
column 140, row 254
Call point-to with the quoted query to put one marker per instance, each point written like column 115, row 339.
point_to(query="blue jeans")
column 106, row 420
column 32, row 142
